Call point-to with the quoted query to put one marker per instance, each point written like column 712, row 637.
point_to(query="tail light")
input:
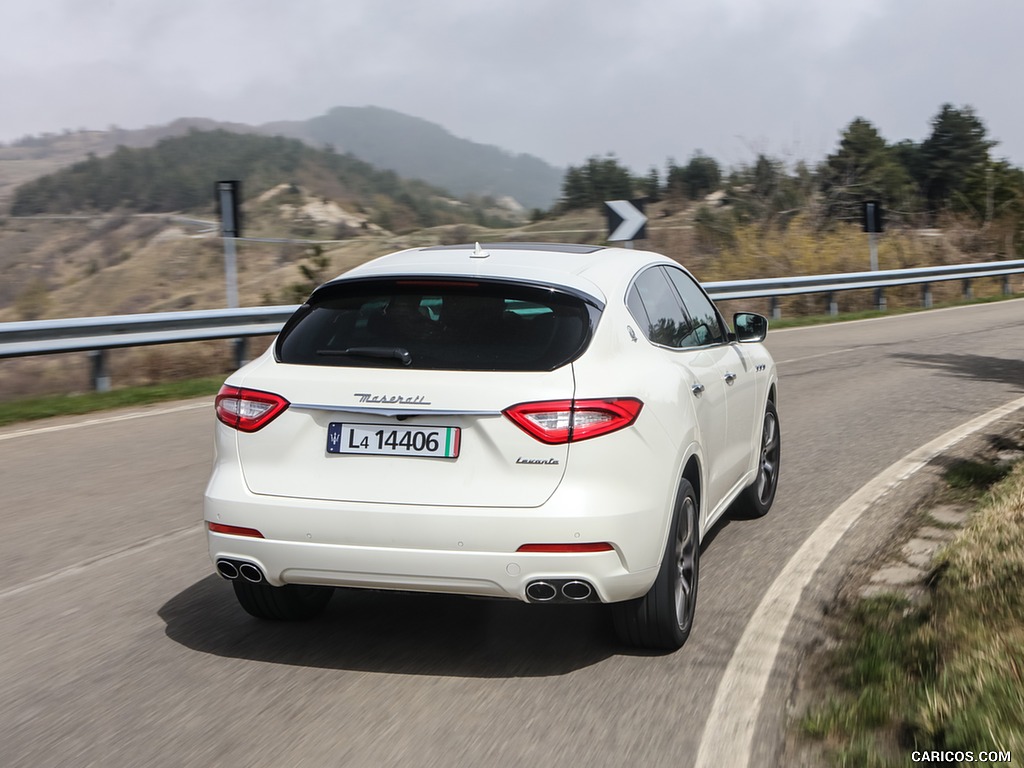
column 248, row 410
column 569, row 421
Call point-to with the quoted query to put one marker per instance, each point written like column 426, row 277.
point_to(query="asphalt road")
column 119, row 647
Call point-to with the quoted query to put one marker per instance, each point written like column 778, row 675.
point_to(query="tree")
column 697, row 178
column 765, row 193
column 650, row 186
column 575, row 193
column 766, row 174
column 597, row 180
column 863, row 168
column 955, row 161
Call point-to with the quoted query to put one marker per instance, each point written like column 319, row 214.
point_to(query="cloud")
column 564, row 80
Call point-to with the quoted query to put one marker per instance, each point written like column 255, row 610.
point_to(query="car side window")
column 637, row 310
column 706, row 325
column 663, row 320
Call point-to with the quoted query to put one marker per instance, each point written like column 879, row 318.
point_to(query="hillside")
column 33, row 156
column 178, row 175
column 409, row 146
column 419, row 149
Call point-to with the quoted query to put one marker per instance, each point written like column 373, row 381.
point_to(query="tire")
column 758, row 497
column 292, row 602
column 662, row 619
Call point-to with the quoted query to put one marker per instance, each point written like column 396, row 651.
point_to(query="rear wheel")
column 662, row 618
column 292, row 602
column 757, row 499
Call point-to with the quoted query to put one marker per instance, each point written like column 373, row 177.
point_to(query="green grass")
column 944, row 675
column 29, row 409
column 799, row 322
column 975, row 475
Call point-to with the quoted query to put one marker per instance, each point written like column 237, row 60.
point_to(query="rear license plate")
column 393, row 440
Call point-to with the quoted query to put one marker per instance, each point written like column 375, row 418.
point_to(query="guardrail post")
column 240, row 348
column 1006, row 285
column 776, row 309
column 100, row 374
column 880, row 303
column 833, row 305
column 926, row 296
column 967, row 288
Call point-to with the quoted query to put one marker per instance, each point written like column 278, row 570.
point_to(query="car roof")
column 583, row 268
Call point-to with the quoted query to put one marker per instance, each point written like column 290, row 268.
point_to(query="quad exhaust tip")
column 233, row 569
column 541, row 591
column 250, row 572
column 577, row 590
column 558, row 590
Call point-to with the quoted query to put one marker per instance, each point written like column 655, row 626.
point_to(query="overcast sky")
column 561, row 79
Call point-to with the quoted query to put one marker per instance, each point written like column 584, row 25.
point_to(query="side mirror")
column 749, row 327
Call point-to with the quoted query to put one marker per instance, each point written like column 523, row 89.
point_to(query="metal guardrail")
column 97, row 334
column 790, row 286
column 81, row 334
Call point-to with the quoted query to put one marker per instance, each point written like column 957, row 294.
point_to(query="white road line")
column 71, row 570
column 865, row 320
column 104, row 420
column 890, row 318
column 729, row 731
column 822, row 354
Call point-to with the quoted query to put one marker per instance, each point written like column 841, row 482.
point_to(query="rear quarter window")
column 672, row 310
column 444, row 325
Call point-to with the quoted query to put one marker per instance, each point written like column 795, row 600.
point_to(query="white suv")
column 548, row 423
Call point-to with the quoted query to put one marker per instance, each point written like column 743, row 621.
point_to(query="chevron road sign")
column 626, row 220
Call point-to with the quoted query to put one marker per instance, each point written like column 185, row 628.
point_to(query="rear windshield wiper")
column 397, row 353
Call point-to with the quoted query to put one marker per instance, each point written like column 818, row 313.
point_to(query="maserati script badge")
column 365, row 397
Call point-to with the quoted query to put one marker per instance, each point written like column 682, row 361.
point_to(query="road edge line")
column 103, row 420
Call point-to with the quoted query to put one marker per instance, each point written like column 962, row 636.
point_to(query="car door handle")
column 730, row 377
column 698, row 389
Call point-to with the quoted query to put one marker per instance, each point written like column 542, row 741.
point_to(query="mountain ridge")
column 412, row 147
column 462, row 166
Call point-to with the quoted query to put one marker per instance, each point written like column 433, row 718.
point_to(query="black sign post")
column 227, row 197
column 874, row 224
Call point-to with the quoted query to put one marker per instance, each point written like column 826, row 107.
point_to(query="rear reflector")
column 597, row 546
column 568, row 421
column 234, row 530
column 248, row 410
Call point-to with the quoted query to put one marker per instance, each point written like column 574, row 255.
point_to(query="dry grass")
column 948, row 675
column 978, row 696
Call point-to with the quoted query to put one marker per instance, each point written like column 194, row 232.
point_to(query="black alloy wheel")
column 758, row 498
column 662, row 619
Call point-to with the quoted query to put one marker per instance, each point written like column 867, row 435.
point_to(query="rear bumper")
column 484, row 574
column 453, row 550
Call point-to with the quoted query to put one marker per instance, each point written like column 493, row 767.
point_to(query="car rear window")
column 438, row 324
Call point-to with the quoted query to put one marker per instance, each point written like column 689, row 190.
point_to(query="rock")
column 949, row 514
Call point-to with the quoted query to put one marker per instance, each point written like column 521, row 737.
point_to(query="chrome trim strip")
column 391, row 411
